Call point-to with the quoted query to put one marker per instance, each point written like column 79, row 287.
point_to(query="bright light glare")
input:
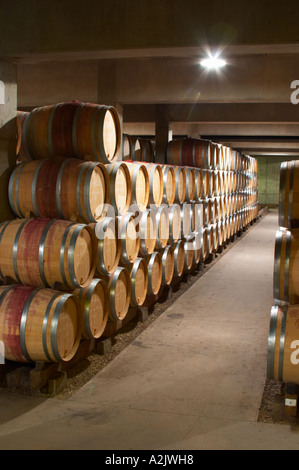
column 213, row 63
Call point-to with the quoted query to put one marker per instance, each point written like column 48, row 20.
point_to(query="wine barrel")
column 167, row 265
column 288, row 212
column 204, row 250
column 22, row 151
column 147, row 232
column 207, row 211
column 119, row 293
column 139, row 280
column 282, row 360
column 120, row 187
column 189, row 152
column 168, row 184
column 205, row 183
column 39, row 324
column 68, row 189
column 87, row 131
column 162, row 227
column 126, row 149
column 94, row 308
column 219, row 228
column 128, row 238
column 186, row 219
column 198, row 184
column 233, row 224
column 108, row 247
column 154, row 268
column 219, row 183
column 180, row 184
column 137, row 149
column 228, row 228
column 179, row 258
column 215, row 238
column 174, row 212
column 147, row 150
column 189, row 253
column 286, row 266
column 197, row 216
column 155, row 183
column 224, row 230
column 197, row 241
column 139, row 185
column 42, row 252
column 211, row 238
column 217, row 156
column 190, row 184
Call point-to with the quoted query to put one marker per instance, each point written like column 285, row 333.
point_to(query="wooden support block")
column 142, row 314
column 41, row 373
column 57, row 383
column 103, row 346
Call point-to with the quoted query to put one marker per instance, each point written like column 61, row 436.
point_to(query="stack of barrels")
column 283, row 339
column 95, row 234
column 50, row 295
column 225, row 182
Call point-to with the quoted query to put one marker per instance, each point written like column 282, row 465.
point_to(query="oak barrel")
column 204, row 251
column 39, row 324
column 137, row 149
column 186, row 219
column 139, row 185
column 147, row 232
column 167, row 265
column 289, row 194
column 189, row 252
column 86, row 131
column 154, row 268
column 22, row 151
column 189, row 152
column 108, row 248
column 180, row 184
column 128, row 237
column 190, row 184
column 139, row 279
column 155, row 175
column 162, row 226
column 119, row 293
column 283, row 344
column 286, row 266
column 179, row 258
column 120, row 187
column 94, row 308
column 168, row 184
column 174, row 212
column 68, row 189
column 42, row 252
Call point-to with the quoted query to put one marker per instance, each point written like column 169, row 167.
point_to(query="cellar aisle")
column 193, row 379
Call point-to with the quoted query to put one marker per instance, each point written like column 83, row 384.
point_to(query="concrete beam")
column 217, row 113
column 67, row 26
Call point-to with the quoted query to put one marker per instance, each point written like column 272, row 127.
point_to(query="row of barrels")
column 82, row 191
column 92, row 132
column 203, row 153
column 283, row 339
column 199, row 153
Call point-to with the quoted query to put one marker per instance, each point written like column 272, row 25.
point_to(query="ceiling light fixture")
column 213, row 62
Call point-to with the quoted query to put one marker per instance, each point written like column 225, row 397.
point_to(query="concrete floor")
column 193, row 380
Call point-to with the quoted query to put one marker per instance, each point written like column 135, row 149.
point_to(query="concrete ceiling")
column 145, row 55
